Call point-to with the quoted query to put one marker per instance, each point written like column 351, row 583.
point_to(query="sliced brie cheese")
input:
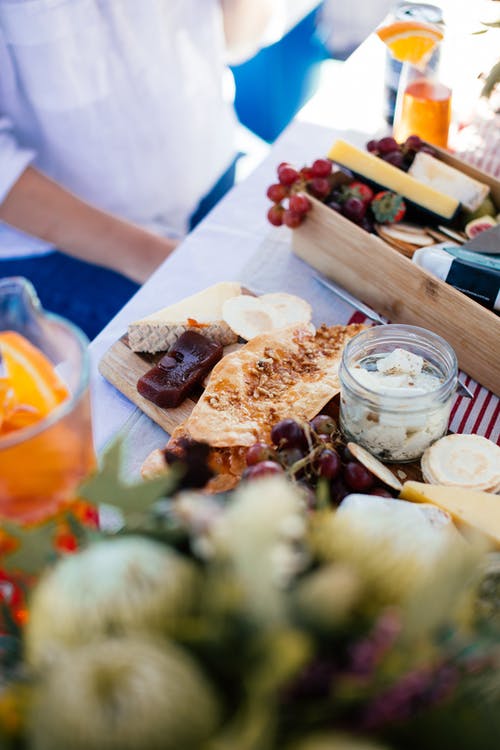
column 423, row 532
column 202, row 312
column 448, row 180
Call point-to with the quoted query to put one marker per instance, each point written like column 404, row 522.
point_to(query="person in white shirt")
column 114, row 123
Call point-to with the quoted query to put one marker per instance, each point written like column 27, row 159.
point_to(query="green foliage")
column 108, row 487
column 304, row 629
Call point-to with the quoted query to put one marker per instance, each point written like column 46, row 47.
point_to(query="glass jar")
column 396, row 426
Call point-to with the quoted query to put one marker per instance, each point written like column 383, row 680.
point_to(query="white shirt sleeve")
column 13, row 158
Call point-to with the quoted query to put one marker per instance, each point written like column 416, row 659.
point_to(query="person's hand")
column 39, row 206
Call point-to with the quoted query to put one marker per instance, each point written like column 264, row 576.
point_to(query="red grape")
column 335, row 205
column 329, row 464
column 288, row 434
column 277, row 192
column 372, row 146
column 323, row 424
column 346, row 454
column 290, row 456
column 366, row 223
column 354, row 209
column 357, row 477
column 381, row 492
column 287, row 175
column 258, row 452
column 319, row 187
column 262, row 469
column 275, row 215
column 338, row 490
column 321, row 168
column 385, row 145
column 306, row 173
column 299, row 203
column 413, row 143
column 325, row 439
column 292, row 219
column 395, row 158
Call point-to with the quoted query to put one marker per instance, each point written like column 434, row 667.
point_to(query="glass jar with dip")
column 397, row 385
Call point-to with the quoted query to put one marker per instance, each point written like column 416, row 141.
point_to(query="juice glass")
column 423, row 107
column 42, row 464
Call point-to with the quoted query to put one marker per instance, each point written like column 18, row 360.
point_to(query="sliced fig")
column 476, row 226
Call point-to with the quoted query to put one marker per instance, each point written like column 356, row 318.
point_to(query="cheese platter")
column 276, row 400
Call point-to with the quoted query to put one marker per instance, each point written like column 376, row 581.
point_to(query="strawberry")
column 359, row 190
column 387, row 207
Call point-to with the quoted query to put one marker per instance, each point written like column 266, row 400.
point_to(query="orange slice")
column 31, row 388
column 410, row 41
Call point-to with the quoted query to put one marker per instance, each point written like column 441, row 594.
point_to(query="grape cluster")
column 292, row 186
column 309, row 452
column 400, row 155
column 353, row 201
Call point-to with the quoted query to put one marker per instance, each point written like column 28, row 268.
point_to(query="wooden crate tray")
column 395, row 287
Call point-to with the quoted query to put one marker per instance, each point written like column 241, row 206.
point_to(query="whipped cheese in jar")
column 397, row 385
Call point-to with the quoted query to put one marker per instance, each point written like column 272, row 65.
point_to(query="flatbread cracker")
column 287, row 373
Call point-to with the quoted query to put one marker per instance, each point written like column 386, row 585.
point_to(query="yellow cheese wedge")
column 377, row 170
column 471, row 509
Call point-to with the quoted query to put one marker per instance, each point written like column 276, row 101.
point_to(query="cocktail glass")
column 423, row 106
column 42, row 464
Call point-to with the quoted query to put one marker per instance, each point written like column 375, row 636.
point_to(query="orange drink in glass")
column 423, row 104
column 46, row 444
column 423, row 108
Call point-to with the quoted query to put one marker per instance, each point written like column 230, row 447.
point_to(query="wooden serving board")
column 122, row 368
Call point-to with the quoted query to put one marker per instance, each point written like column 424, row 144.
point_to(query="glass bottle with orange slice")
column 423, row 104
column 45, row 431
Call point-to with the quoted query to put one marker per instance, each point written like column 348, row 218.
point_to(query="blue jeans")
column 87, row 294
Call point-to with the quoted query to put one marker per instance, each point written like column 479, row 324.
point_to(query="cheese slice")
column 448, row 180
column 377, row 170
column 472, row 509
column 201, row 312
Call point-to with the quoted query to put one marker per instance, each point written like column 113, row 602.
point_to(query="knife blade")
column 347, row 297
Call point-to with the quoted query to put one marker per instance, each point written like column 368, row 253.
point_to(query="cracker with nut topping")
column 292, row 372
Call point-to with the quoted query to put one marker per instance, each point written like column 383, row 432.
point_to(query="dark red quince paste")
column 185, row 365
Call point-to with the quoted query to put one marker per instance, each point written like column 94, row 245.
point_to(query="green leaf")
column 492, row 79
column 108, row 487
column 36, row 547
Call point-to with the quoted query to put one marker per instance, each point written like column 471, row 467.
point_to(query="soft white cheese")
column 401, row 423
column 401, row 361
column 436, row 174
